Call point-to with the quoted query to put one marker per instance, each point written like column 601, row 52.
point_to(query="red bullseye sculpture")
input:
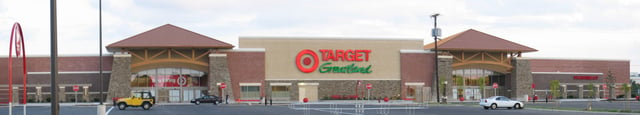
column 17, row 41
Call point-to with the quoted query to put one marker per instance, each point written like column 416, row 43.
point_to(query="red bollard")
column 305, row 100
column 386, row 99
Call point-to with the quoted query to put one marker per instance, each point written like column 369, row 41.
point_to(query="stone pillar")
column 611, row 92
column 521, row 78
column 444, row 71
column 564, row 91
column 267, row 91
column 219, row 73
column 427, row 93
column 420, row 94
column 16, row 95
column 294, row 91
column 85, row 94
column 61, row 96
column 120, row 81
column 38, row 94
column 580, row 91
column 596, row 88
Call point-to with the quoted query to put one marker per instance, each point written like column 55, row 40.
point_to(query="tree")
column 555, row 88
column 442, row 87
column 634, row 87
column 626, row 88
column 481, row 83
column 591, row 92
column 610, row 81
column 460, row 83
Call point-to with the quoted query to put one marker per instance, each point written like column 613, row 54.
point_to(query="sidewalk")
column 90, row 104
column 64, row 104
column 237, row 103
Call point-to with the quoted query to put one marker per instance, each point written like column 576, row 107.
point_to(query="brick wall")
column 620, row 69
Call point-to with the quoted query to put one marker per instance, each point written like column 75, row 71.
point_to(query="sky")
column 581, row 29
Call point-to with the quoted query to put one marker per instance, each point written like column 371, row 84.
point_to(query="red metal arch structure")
column 17, row 42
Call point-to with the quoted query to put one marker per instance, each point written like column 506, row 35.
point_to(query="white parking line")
column 109, row 110
column 338, row 112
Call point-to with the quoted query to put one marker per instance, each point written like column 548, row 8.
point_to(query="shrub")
column 336, row 97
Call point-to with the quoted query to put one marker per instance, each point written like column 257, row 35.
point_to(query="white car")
column 500, row 102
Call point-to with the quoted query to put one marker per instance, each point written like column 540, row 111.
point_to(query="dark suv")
column 207, row 99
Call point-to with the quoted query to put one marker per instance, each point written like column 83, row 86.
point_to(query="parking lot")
column 318, row 109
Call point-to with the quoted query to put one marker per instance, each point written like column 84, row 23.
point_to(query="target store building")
column 178, row 65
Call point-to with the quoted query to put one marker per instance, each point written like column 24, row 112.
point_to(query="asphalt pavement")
column 609, row 105
column 283, row 109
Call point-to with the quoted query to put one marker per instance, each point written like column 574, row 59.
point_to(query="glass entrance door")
column 468, row 83
column 174, row 96
column 187, row 95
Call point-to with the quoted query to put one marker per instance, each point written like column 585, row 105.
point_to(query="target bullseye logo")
column 307, row 61
column 333, row 61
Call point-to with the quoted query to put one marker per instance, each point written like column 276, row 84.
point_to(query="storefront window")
column 250, row 92
column 474, row 77
column 411, row 92
column 174, row 95
column 280, row 92
column 167, row 77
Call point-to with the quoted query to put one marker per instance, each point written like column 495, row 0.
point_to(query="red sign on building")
column 223, row 85
column 533, row 85
column 308, row 61
column 173, row 81
column 585, row 77
column 76, row 88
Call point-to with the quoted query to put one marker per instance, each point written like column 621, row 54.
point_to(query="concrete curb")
column 541, row 109
column 614, row 113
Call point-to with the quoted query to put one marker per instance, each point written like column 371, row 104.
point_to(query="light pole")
column 100, row 52
column 55, row 104
column 101, row 106
column 435, row 32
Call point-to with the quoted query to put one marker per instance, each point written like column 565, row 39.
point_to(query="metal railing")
column 337, row 108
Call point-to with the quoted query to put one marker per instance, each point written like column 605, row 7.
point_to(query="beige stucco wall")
column 281, row 52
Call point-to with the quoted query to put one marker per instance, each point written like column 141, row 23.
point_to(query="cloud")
column 556, row 28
